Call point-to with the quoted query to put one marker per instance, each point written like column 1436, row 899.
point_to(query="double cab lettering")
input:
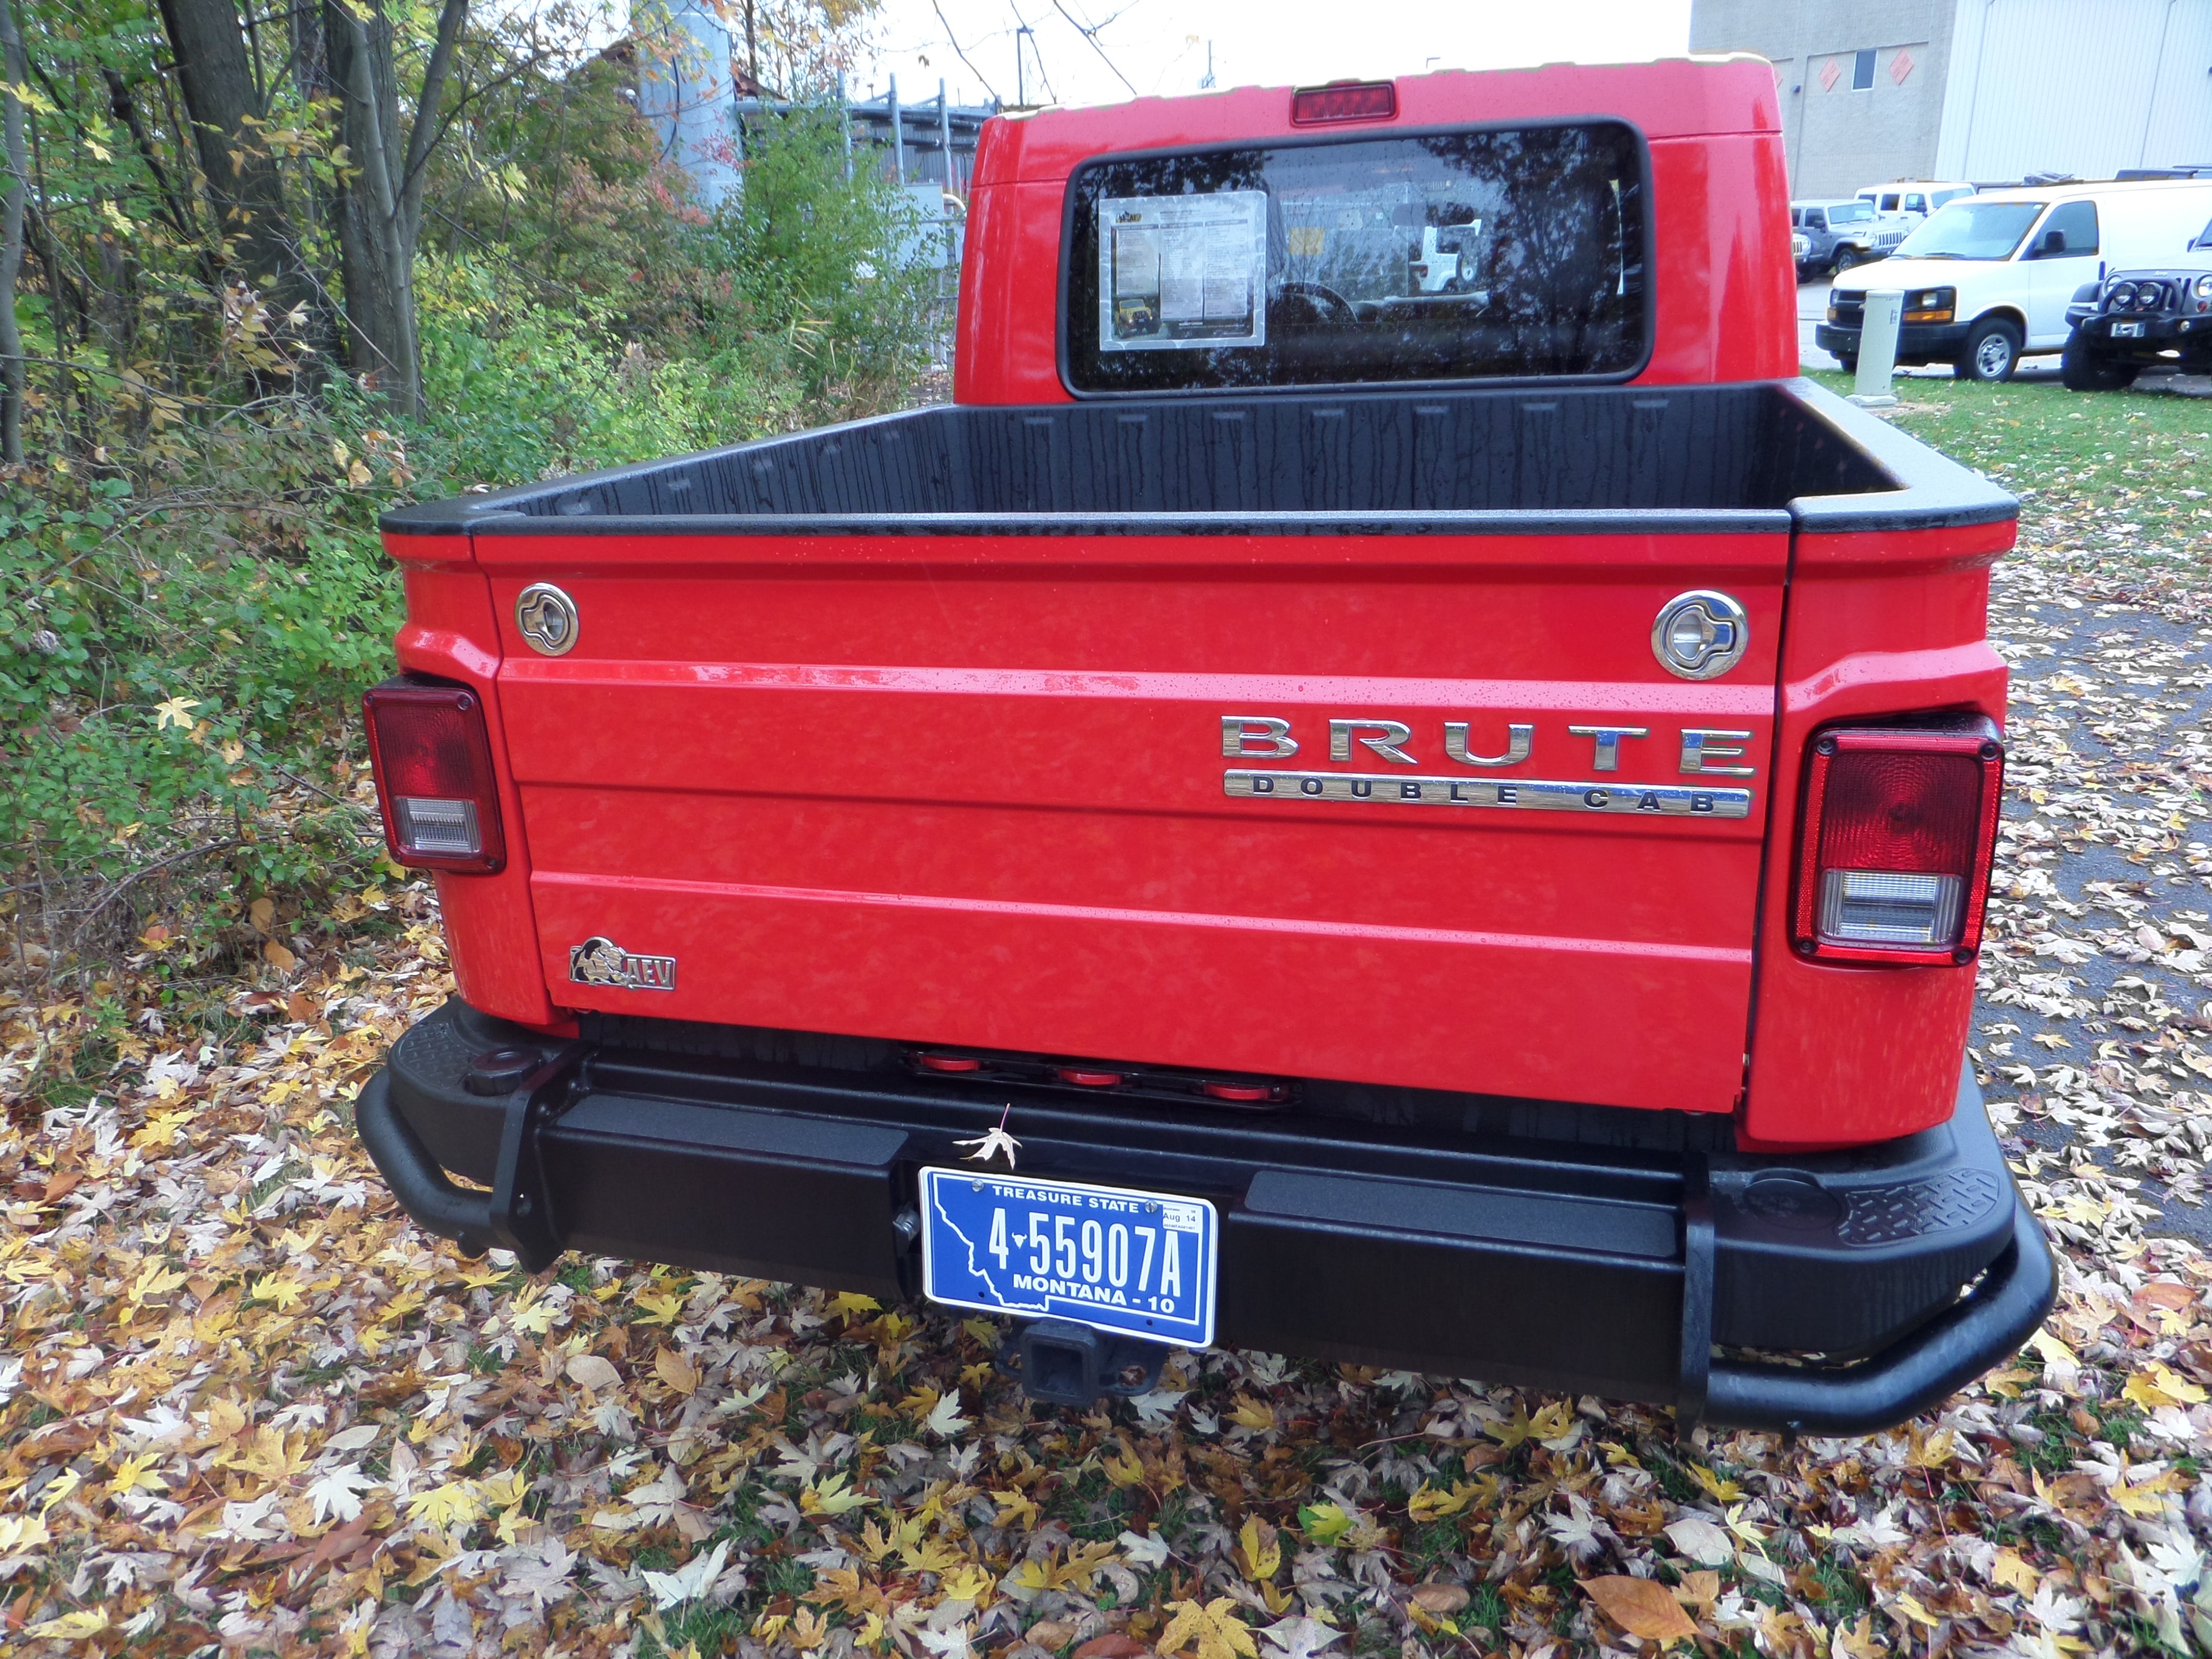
column 1706, row 751
column 1703, row 752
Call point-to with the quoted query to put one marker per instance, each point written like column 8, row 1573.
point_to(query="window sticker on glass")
column 1182, row 270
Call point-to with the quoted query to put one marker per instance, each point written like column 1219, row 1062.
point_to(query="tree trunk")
column 13, row 70
column 245, row 185
column 379, row 205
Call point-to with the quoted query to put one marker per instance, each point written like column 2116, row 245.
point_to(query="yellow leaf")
column 1430, row 1504
column 1253, row 1414
column 1553, row 1421
column 1910, row 1607
column 1324, row 1523
column 2162, row 1386
column 1124, row 1470
column 848, row 1304
column 1931, row 1452
column 1015, row 1510
column 982, row 1330
column 2011, row 1572
column 1263, row 1555
column 2054, row 1352
column 22, row 1532
column 272, row 1287
column 155, row 1278
column 970, row 1583
column 177, row 711
column 661, row 1307
column 135, row 1472
column 59, row 1488
column 453, row 1505
column 673, row 1369
column 2147, row 1498
column 1642, row 1607
column 1725, row 1491
column 79, row 1626
column 1214, row 1627
column 832, row 1497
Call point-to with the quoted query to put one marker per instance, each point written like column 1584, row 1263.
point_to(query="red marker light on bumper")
column 431, row 756
column 1899, row 829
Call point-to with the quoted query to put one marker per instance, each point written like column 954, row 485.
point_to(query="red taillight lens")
column 431, row 757
column 1343, row 101
column 1899, row 829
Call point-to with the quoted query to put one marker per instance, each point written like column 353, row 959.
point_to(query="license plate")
column 2127, row 330
column 1139, row 1264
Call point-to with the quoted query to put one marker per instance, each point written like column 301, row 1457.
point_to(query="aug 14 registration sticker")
column 1140, row 1264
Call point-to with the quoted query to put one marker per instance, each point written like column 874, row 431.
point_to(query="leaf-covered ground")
column 245, row 1405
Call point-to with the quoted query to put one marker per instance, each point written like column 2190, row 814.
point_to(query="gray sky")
column 1160, row 46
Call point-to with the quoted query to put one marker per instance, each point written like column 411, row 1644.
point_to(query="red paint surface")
column 1726, row 302
column 1879, row 625
column 978, row 799
column 491, row 931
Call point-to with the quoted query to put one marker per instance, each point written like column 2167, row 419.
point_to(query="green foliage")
column 191, row 592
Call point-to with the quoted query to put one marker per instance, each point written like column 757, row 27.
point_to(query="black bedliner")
column 1755, row 457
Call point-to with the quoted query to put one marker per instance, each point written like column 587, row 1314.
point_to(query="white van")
column 1915, row 197
column 1987, row 277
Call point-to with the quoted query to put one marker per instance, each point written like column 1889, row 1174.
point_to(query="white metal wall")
column 2085, row 87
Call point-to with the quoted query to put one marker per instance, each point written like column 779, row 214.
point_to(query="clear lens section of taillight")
column 445, row 827
column 1900, row 828
column 431, row 753
column 1870, row 907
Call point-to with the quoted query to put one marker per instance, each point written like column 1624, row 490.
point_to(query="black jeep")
column 2140, row 319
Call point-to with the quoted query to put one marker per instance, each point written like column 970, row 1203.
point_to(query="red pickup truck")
column 1385, row 783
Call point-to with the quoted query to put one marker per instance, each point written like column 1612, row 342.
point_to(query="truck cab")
column 1385, row 783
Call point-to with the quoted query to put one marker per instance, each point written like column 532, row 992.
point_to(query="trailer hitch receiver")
column 1063, row 1364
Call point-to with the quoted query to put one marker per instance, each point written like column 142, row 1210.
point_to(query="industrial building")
column 1983, row 91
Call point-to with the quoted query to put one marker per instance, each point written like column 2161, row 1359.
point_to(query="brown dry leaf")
column 278, row 956
column 1112, row 1645
column 1643, row 1607
column 261, row 913
column 1441, row 1600
column 1050, row 1634
column 673, row 1369
column 1698, row 1589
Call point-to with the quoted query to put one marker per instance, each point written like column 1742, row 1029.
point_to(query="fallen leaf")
column 1050, row 1634
column 1642, row 1607
column 1705, row 1542
column 1213, row 1625
column 1441, row 1600
column 589, row 1370
column 1112, row 1645
column 673, row 1369
column 277, row 956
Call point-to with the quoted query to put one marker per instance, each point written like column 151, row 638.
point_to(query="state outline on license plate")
column 2127, row 330
column 1137, row 1264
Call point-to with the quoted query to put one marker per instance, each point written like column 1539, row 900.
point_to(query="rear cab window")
column 1476, row 254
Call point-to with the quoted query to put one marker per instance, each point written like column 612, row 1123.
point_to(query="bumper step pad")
column 1542, row 1264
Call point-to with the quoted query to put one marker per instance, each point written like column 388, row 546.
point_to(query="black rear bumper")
column 1516, row 1258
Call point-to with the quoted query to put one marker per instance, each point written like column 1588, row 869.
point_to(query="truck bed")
column 1741, row 457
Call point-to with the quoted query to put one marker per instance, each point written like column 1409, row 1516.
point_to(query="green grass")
column 2131, row 456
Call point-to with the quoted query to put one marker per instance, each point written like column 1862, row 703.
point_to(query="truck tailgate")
column 971, row 788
